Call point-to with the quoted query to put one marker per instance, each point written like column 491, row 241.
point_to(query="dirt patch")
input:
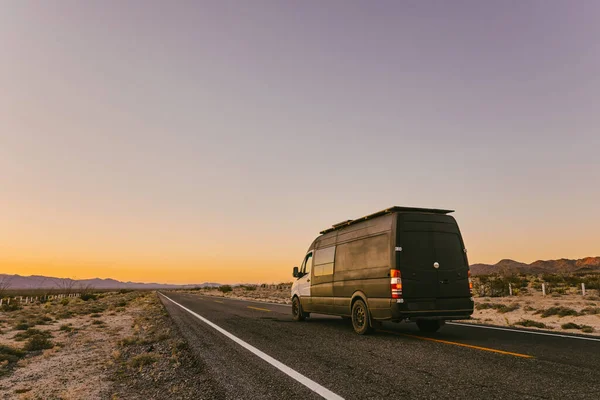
column 567, row 313
column 72, row 353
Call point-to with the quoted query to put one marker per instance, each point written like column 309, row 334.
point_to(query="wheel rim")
column 359, row 316
column 295, row 307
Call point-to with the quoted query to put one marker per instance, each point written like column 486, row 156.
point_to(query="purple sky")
column 217, row 138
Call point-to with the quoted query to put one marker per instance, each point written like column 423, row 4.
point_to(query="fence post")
column 510, row 289
column 543, row 289
column 0, row 302
column 583, row 288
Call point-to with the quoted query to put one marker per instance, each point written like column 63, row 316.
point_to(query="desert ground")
column 112, row 346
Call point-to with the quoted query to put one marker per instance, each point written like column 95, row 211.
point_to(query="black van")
column 402, row 263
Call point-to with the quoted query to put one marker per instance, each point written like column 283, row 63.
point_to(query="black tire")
column 361, row 319
column 297, row 313
column 429, row 326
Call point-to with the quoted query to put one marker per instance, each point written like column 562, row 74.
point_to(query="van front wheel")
column 429, row 326
column 297, row 313
column 361, row 318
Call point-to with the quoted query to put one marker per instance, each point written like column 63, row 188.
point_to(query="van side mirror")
column 295, row 273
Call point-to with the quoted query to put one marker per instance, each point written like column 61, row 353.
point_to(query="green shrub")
column 22, row 326
column 10, row 356
column 38, row 342
column 88, row 296
column 587, row 329
column 30, row 333
column 64, row 301
column 484, row 306
column 225, row 288
column 528, row 323
column 591, row 310
column 570, row 325
column 66, row 327
column 560, row 311
column 502, row 308
column 143, row 359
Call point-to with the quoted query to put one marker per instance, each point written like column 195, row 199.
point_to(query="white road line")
column 520, row 331
column 312, row 385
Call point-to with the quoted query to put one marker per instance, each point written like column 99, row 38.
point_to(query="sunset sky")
column 185, row 142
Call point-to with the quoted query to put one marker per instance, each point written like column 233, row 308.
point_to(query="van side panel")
column 362, row 264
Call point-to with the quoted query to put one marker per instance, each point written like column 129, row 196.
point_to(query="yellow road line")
column 259, row 309
column 218, row 301
column 463, row 345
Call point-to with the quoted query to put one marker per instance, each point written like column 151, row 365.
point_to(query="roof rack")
column 390, row 210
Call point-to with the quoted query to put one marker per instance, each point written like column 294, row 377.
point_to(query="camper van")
column 399, row 264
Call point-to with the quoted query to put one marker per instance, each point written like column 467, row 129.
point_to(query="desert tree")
column 5, row 283
column 66, row 285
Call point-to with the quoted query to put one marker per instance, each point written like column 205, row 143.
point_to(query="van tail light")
column 396, row 284
column 470, row 282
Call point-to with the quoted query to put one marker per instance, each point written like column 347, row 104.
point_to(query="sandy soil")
column 77, row 367
column 531, row 308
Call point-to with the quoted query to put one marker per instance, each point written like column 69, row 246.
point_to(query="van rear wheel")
column 429, row 326
column 297, row 313
column 361, row 318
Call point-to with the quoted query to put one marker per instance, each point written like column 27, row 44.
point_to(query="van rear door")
column 425, row 241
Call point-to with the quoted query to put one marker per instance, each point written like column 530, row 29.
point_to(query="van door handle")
column 308, row 280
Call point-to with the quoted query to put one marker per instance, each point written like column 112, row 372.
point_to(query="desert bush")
column 225, row 288
column 587, row 329
column 66, row 327
column 9, row 356
column 570, row 325
column 22, row 326
column 31, row 332
column 501, row 308
column 64, row 301
column 249, row 288
column 529, row 323
column 560, row 311
column 129, row 341
column 38, row 342
column 591, row 310
column 14, row 306
column 143, row 359
column 88, row 296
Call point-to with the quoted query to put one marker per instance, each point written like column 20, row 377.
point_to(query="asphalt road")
column 397, row 361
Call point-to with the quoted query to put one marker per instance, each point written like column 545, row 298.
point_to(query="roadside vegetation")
column 564, row 307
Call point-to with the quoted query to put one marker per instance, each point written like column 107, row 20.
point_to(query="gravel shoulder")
column 116, row 346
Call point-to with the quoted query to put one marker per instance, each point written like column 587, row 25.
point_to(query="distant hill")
column 588, row 264
column 46, row 282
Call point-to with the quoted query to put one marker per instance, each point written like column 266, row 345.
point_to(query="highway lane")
column 397, row 361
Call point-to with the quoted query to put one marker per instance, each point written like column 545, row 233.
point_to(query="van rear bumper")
column 450, row 308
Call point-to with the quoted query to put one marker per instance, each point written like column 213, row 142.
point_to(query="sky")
column 185, row 142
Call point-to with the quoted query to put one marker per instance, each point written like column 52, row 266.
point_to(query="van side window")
column 371, row 252
column 324, row 259
column 307, row 265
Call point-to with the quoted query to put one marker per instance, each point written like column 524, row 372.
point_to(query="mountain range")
column 46, row 282
column 563, row 265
